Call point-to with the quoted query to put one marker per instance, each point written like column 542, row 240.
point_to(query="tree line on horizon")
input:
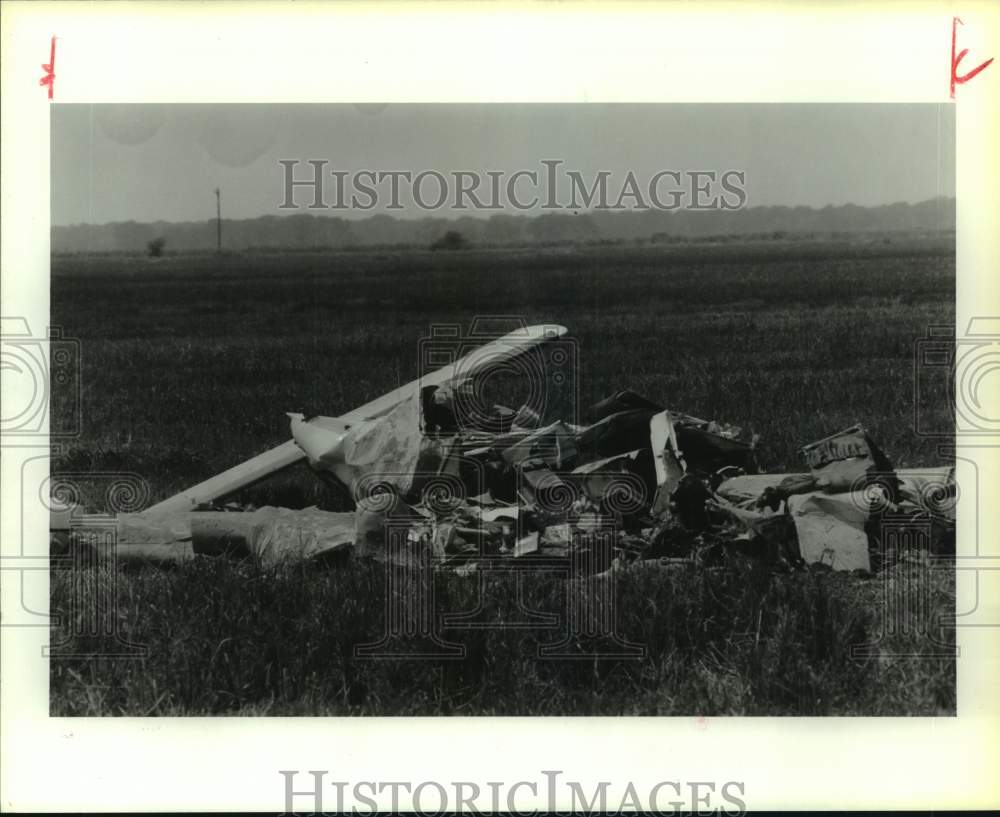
column 306, row 230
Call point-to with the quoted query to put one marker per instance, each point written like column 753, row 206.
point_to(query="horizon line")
column 449, row 216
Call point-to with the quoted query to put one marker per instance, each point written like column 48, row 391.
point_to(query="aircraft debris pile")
column 641, row 482
column 638, row 484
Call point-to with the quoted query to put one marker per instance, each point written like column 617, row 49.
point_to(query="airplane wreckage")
column 437, row 480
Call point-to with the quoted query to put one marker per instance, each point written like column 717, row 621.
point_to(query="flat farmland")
column 189, row 363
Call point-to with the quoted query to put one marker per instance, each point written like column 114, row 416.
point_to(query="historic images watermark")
column 313, row 791
column 34, row 366
column 314, row 184
column 955, row 378
column 960, row 368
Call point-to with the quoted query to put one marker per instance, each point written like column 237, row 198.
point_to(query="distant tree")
column 155, row 247
column 451, row 240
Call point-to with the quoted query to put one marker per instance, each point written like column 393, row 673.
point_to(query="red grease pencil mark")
column 50, row 70
column 956, row 59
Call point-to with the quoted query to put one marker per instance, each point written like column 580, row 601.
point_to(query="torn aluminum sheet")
column 274, row 535
column 145, row 537
column 554, row 444
column 526, row 545
column 614, row 434
column 750, row 488
column 597, row 480
column 268, row 535
column 846, row 460
column 682, row 444
column 667, row 462
column 831, row 529
column 830, row 524
column 387, row 447
column 765, row 490
column 705, row 447
column 543, row 490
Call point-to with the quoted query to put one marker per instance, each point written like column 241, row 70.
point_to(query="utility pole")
column 218, row 219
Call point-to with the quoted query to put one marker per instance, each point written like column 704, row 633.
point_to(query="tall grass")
column 224, row 638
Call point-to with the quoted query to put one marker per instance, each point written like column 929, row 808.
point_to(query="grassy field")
column 189, row 363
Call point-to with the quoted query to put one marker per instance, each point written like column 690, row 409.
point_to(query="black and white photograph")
column 499, row 407
column 504, row 409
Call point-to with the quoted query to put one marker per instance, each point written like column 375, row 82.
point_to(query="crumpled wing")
column 506, row 348
column 509, row 347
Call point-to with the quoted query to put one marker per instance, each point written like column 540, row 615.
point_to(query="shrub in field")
column 451, row 240
column 155, row 247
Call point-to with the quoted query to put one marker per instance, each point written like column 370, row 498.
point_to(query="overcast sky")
column 152, row 162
